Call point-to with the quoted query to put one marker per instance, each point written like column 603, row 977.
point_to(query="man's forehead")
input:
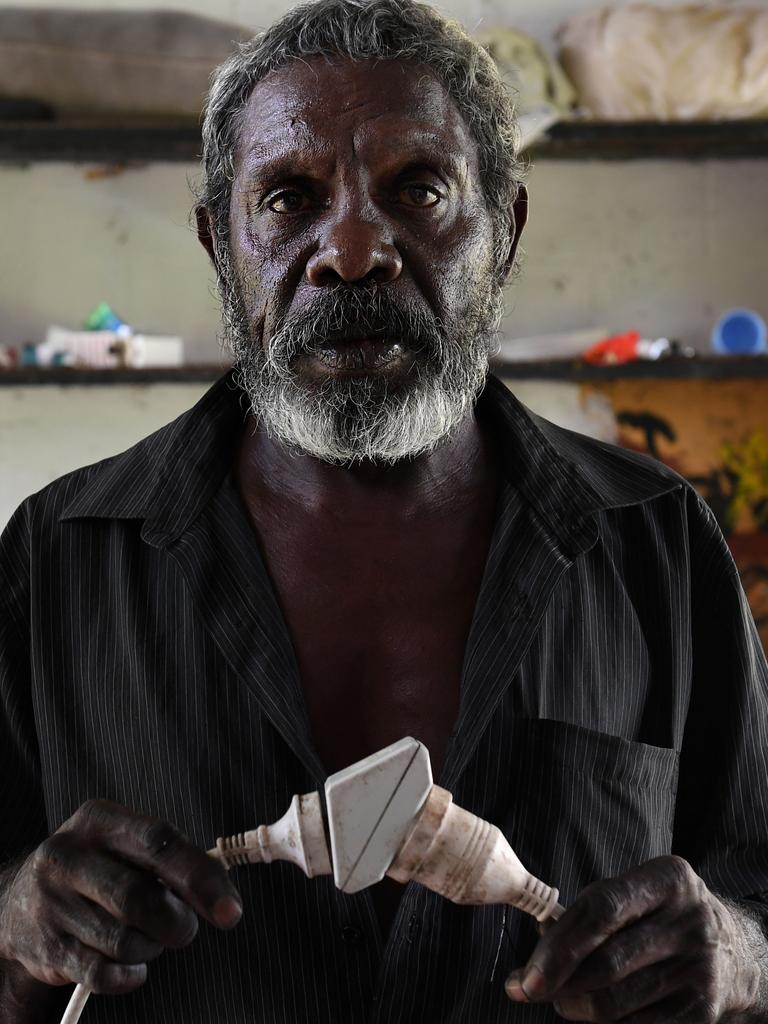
column 309, row 103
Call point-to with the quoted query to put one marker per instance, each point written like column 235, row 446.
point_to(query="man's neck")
column 433, row 484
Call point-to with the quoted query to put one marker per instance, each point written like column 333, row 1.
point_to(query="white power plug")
column 385, row 817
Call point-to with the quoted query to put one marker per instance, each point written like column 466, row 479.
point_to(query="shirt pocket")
column 588, row 805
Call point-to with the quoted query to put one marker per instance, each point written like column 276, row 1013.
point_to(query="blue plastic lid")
column 740, row 332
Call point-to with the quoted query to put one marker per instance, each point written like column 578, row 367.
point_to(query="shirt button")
column 413, row 929
column 351, row 935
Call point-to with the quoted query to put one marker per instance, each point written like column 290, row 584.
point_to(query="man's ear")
column 518, row 218
column 205, row 231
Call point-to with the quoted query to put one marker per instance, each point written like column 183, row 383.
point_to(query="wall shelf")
column 128, row 143
column 134, row 143
column 31, row 375
column 646, row 140
column 700, row 368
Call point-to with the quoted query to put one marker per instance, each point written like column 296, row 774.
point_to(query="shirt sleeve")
column 22, row 809
column 721, row 823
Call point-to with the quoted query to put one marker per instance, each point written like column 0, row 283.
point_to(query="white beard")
column 354, row 419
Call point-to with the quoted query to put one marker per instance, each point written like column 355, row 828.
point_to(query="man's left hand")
column 651, row 946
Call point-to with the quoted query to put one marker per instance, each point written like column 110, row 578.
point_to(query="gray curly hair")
column 370, row 30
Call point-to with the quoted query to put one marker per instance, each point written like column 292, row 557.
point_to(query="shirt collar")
column 568, row 477
column 168, row 478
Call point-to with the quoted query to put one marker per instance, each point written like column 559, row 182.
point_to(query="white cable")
column 75, row 1005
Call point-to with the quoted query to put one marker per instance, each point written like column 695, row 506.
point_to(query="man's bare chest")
column 379, row 637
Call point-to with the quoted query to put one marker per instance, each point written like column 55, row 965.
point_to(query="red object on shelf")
column 619, row 348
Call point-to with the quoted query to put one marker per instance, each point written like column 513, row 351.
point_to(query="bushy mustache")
column 346, row 312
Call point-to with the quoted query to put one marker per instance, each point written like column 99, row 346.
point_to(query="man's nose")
column 354, row 250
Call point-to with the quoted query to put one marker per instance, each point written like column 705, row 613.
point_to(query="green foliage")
column 747, row 463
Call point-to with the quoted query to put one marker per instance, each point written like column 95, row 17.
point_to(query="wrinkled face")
column 358, row 282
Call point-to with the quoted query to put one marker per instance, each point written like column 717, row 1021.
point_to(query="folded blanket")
column 642, row 62
column 143, row 63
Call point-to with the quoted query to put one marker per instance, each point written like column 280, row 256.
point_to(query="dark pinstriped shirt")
column 614, row 707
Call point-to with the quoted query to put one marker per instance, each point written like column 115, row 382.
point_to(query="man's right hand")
column 106, row 893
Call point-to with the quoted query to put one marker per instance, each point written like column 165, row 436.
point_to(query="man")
column 357, row 536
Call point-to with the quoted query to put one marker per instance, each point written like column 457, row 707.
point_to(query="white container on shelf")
column 147, row 351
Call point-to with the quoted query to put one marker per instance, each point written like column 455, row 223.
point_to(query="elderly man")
column 357, row 535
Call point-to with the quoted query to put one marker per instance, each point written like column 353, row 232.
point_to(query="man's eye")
column 288, row 201
column 419, row 195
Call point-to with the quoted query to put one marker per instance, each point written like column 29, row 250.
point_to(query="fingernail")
column 533, row 983
column 227, row 912
column 514, row 989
